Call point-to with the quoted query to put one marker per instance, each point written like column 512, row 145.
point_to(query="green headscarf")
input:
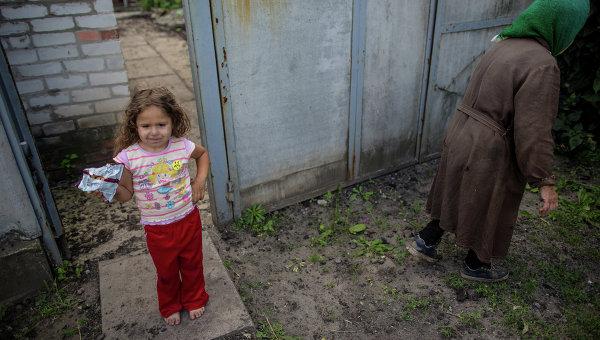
column 555, row 21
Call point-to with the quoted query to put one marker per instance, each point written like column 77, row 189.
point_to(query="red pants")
column 176, row 250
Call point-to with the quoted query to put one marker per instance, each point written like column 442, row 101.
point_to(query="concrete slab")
column 169, row 45
column 130, row 308
column 131, row 40
column 171, row 81
column 146, row 67
column 138, row 52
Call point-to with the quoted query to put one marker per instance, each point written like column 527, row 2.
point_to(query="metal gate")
column 463, row 30
column 299, row 97
column 29, row 167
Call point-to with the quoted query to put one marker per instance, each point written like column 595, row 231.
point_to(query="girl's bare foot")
column 196, row 313
column 173, row 319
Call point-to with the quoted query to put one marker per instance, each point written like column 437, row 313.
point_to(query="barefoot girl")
column 151, row 146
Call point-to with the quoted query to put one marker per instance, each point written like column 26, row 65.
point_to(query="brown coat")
column 482, row 174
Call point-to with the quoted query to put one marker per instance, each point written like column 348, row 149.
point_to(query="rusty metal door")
column 463, row 31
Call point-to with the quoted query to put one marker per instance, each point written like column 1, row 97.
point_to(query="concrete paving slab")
column 138, row 52
column 131, row 40
column 169, row 45
column 130, row 308
column 171, row 81
column 146, row 67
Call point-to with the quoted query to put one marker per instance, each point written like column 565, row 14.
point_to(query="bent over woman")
column 500, row 138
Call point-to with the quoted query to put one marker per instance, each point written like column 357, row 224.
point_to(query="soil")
column 341, row 289
column 326, row 291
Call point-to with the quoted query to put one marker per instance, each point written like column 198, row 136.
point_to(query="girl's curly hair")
column 142, row 99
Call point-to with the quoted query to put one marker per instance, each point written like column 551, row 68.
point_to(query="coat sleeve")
column 536, row 105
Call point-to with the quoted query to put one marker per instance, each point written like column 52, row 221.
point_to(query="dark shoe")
column 421, row 250
column 484, row 274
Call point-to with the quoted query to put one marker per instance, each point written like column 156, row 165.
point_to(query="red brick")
column 109, row 35
column 88, row 35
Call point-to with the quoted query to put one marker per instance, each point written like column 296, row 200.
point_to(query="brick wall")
column 69, row 70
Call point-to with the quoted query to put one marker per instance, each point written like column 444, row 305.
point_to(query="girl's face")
column 154, row 127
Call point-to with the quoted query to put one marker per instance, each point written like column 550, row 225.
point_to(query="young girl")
column 151, row 146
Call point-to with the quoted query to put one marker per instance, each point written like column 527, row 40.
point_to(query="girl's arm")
column 201, row 156
column 125, row 188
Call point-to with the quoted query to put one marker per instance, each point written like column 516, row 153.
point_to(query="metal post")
column 47, row 235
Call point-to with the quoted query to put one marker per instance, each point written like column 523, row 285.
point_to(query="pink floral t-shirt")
column 161, row 180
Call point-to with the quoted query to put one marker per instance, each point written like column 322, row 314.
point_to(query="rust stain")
column 243, row 11
column 246, row 9
column 224, row 100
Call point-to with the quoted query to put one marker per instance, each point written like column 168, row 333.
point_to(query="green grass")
column 447, row 331
column 316, row 258
column 272, row 330
column 470, row 319
column 227, row 263
column 414, row 304
column 52, row 302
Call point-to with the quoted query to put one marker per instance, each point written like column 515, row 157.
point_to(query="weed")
column 519, row 316
column 67, row 163
column 357, row 229
column 470, row 319
column 328, row 196
column 256, row 219
column 355, row 270
column 272, row 330
column 447, row 331
column 583, row 323
column 493, row 293
column 227, row 264
column 54, row 301
column 455, row 281
column 325, row 235
column 391, row 292
column 400, row 253
column 413, row 304
column 572, row 216
column 50, row 303
column 569, row 282
column 359, row 193
column 69, row 332
column 67, row 271
column 295, row 265
column 316, row 258
column 375, row 247
column 164, row 4
column 381, row 222
column 330, row 285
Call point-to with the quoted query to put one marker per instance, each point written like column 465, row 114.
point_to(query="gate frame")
column 208, row 56
column 30, row 166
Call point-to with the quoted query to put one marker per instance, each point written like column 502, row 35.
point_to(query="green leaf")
column 357, row 229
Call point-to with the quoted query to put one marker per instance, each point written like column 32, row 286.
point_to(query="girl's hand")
column 197, row 191
column 549, row 197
